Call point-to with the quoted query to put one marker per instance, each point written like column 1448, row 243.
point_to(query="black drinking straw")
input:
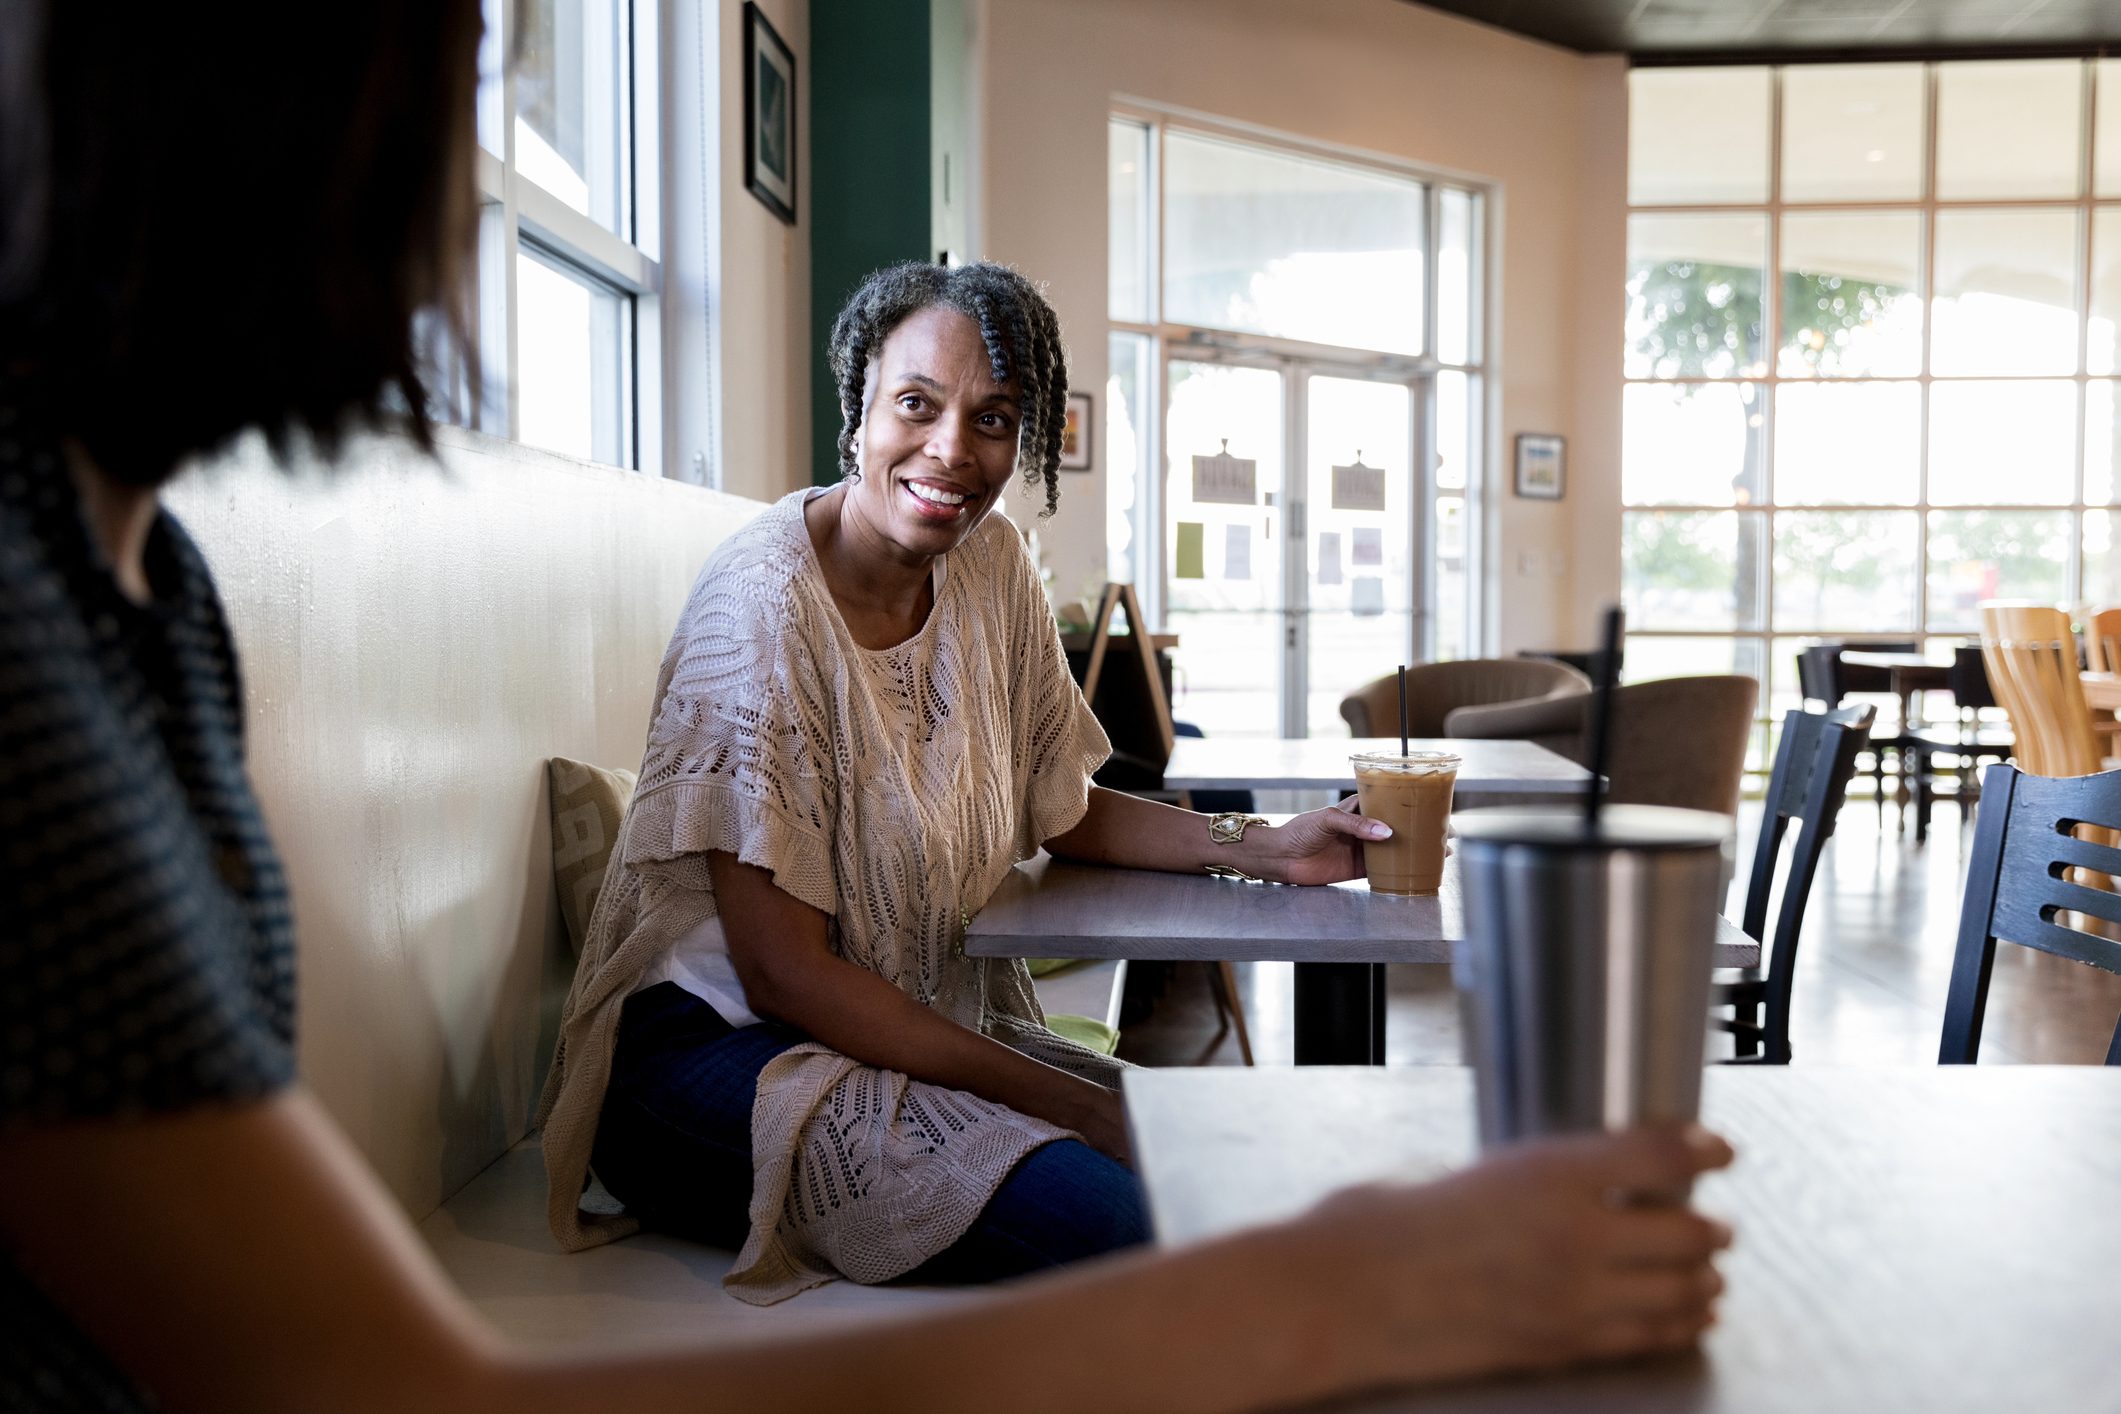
column 1602, row 715
column 1402, row 709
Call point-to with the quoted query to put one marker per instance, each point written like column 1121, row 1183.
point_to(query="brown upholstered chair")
column 1435, row 690
column 1676, row 741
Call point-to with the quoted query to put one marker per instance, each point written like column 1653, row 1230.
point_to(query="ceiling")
column 1695, row 30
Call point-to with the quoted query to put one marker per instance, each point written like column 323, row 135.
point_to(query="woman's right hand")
column 1541, row 1255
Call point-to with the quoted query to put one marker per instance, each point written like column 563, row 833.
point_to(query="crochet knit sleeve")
column 1063, row 744
column 739, row 754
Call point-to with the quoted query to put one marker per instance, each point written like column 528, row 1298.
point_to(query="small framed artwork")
column 769, row 115
column 1539, row 465
column 1077, row 432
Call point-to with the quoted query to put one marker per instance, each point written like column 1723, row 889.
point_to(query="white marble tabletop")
column 1321, row 763
column 1939, row 1239
column 1053, row 908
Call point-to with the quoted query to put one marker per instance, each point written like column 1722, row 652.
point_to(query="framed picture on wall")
column 1078, row 433
column 1539, row 466
column 769, row 115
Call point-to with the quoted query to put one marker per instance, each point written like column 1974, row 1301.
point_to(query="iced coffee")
column 1412, row 794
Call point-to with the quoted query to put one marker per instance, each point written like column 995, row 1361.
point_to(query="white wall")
column 744, row 403
column 1546, row 125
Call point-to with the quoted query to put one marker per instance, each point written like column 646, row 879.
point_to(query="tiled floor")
column 1873, row 968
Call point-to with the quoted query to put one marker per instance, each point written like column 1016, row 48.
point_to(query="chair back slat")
column 2102, row 641
column 1813, row 766
column 2029, row 868
column 2031, row 657
column 2097, row 855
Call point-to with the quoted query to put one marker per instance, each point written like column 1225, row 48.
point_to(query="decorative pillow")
column 588, row 802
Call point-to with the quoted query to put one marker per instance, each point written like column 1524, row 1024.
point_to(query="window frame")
column 1762, row 642
column 513, row 207
column 1168, row 339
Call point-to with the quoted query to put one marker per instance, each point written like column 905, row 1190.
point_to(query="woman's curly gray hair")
column 1015, row 322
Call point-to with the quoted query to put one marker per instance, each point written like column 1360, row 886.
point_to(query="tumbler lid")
column 1618, row 827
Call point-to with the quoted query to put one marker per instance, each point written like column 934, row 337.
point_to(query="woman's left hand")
column 1318, row 846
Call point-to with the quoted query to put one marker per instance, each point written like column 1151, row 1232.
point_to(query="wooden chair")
column 2102, row 641
column 1813, row 767
column 2031, row 657
column 2030, row 877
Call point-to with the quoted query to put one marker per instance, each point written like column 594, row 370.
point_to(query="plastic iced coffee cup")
column 1412, row 794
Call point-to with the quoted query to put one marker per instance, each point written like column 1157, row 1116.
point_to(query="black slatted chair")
column 1813, row 766
column 2028, row 870
column 1823, row 678
column 1969, row 741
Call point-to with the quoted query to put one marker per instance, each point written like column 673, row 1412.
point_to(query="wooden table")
column 1053, row 908
column 1938, row 1240
column 1321, row 763
column 2102, row 691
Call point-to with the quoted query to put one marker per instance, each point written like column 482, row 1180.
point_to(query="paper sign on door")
column 1190, row 559
column 1329, row 557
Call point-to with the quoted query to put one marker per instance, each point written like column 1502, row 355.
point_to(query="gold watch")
column 1229, row 828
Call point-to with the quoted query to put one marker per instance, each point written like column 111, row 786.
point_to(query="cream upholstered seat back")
column 1435, row 690
column 417, row 640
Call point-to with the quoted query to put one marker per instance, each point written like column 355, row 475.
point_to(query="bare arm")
column 1317, row 847
column 246, row 1259
column 789, row 974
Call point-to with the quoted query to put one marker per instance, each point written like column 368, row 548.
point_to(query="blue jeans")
column 674, row 1145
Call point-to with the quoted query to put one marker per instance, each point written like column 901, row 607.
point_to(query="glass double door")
column 1294, row 540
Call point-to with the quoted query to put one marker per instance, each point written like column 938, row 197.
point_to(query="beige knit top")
column 892, row 790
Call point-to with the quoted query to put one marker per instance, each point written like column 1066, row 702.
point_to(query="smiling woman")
column 865, row 721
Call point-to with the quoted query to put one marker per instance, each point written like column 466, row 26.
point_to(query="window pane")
column 2003, row 443
column 1448, row 622
column 1848, row 444
column 1457, row 417
column 1296, row 247
column 2106, row 137
column 1691, row 569
column 2102, row 345
column 1127, row 430
column 1697, row 136
column 1457, row 272
column 1694, row 296
column 2102, row 558
column 2006, row 292
column 574, row 382
column 571, row 102
column 1454, row 427
column 1129, row 229
column 1845, row 571
column 1977, row 555
column 1690, row 444
column 2102, row 438
column 1852, row 132
column 491, row 72
column 2009, row 129
column 1851, row 296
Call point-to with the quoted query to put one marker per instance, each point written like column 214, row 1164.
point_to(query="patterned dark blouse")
column 146, row 955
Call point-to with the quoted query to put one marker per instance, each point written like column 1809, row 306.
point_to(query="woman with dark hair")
column 863, row 721
column 182, row 1225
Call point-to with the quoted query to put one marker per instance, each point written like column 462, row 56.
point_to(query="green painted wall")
column 870, row 160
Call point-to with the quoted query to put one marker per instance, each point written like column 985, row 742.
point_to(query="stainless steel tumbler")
column 1584, row 978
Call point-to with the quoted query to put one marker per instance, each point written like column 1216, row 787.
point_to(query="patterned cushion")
column 587, row 804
